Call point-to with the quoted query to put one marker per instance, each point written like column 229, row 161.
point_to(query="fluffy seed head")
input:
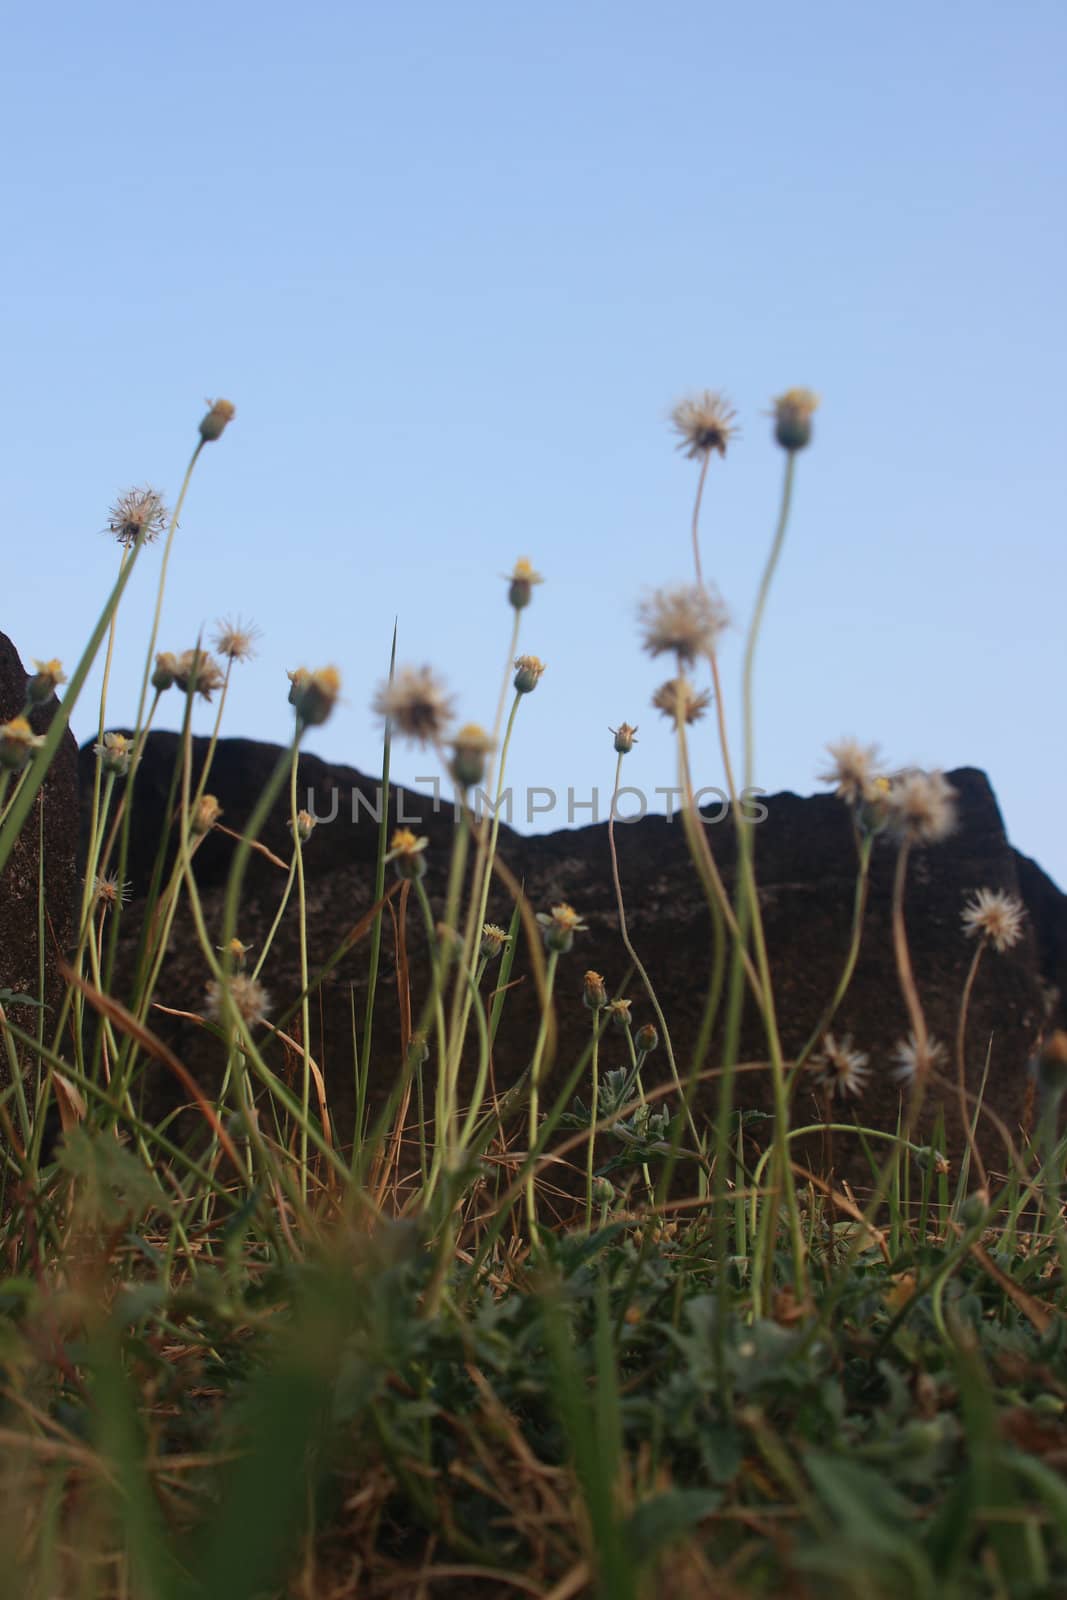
column 685, row 620
column 854, row 771
column 912, row 1061
column 678, row 698
column 994, row 916
column 838, row 1068
column 705, row 423
column 219, row 414
column 251, row 1001
column 235, row 640
column 109, row 892
column 417, row 705
column 920, row 807
column 197, row 672
column 793, row 412
column 137, row 515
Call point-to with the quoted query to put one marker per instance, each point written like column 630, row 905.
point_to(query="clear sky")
column 454, row 262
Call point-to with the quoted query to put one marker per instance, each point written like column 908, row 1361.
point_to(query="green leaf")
column 667, row 1518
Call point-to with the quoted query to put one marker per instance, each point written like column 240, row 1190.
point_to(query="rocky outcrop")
column 806, row 866
column 57, row 805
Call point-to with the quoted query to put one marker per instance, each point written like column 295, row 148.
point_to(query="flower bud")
column 603, row 1191
column 17, row 743
column 625, row 738
column 166, row 671
column 620, row 1014
column 594, row 994
column 528, row 674
column 206, row 813
column 793, row 412
column 646, row 1039
column 114, row 752
column 521, row 581
column 211, row 426
column 305, row 825
column 313, row 695
column 418, row 1050
column 559, row 926
column 45, row 681
column 494, row 941
column 406, row 854
column 470, row 750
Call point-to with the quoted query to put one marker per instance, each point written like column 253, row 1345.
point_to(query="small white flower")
column 840, row 1069
column 921, row 807
column 912, row 1061
column 686, row 620
column 854, row 770
column 996, row 916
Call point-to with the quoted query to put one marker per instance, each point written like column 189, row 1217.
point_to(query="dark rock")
column 19, row 899
column 806, row 867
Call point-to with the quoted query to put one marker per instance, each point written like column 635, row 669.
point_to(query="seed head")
column 914, row 1062
column 705, row 423
column 138, row 516
column 470, row 749
column 166, row 670
column 206, row 814
column 854, row 771
column 528, row 673
column 114, row 753
column 407, row 852
column 686, row 620
column 17, row 743
column 995, row 916
column 521, row 580
column 251, row 1001
column 920, row 807
column 305, row 825
column 838, row 1068
column 220, row 413
column 313, row 695
column 678, row 698
column 109, row 892
column 594, row 992
column 793, row 412
column 236, row 640
column 197, row 672
column 559, row 926
column 45, row 681
column 416, row 704
column 625, row 738
column 494, row 941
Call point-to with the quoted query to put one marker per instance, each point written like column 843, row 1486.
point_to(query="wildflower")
column 559, row 926
column 619, row 1014
column 705, row 423
column 594, row 994
column 198, row 673
column 236, row 952
column 137, row 517
column 521, row 580
column 625, row 738
column 470, row 747
column 314, row 694
column 114, row 752
column 45, row 681
column 528, row 674
column 854, row 771
column 221, row 412
column 677, row 698
column 236, row 640
column 838, row 1068
column 646, row 1039
column 407, row 852
column 305, row 825
column 250, row 1000
column 206, row 813
column 416, row 704
column 494, row 941
column 914, row 1061
column 686, row 619
column 793, row 412
column 997, row 916
column 921, row 807
column 166, row 670
column 109, row 892
column 17, row 743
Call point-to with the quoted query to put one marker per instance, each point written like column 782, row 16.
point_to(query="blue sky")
column 454, row 263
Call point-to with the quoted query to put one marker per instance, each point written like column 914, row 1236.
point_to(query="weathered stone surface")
column 806, row 867
column 19, row 958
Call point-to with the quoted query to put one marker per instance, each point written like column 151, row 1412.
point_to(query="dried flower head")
column 17, row 743
column 166, row 670
column 915, row 1061
column 408, row 853
column 198, row 673
column 305, row 825
column 995, row 916
column 114, row 753
column 521, row 580
column 137, row 516
column 313, row 695
column 705, row 423
column 45, row 681
column 416, row 704
column 793, row 412
column 854, row 771
column 678, row 698
column 838, row 1068
column 494, row 941
column 594, row 991
column 920, row 807
column 206, row 814
column 619, row 1014
column 528, row 670
column 625, row 738
column 250, row 1000
column 559, row 926
column 110, row 892
column 471, row 748
column 686, row 620
column 219, row 414
column 236, row 640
